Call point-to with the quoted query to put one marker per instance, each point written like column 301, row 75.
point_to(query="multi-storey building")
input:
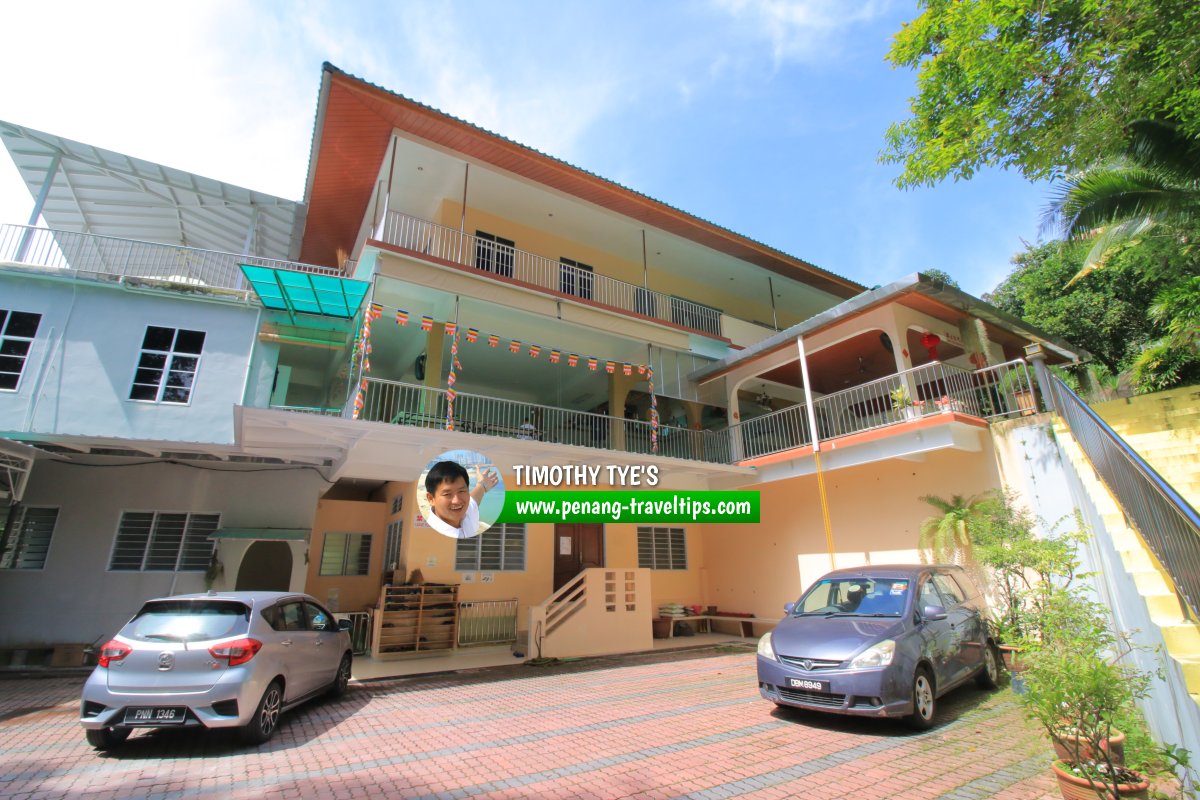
column 201, row 384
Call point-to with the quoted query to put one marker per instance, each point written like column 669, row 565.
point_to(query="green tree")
column 946, row 536
column 1041, row 86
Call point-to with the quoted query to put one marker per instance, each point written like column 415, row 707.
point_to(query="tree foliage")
column 1041, row 86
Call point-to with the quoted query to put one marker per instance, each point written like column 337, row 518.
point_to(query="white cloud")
column 803, row 30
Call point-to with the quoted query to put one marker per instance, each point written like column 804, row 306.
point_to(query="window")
column 397, row 504
column 167, row 366
column 319, row 619
column 17, row 330
column 951, row 593
column 494, row 254
column 575, row 278
column 501, row 548
column 155, row 541
column 661, row 548
column 25, row 536
column 346, row 554
column 391, row 547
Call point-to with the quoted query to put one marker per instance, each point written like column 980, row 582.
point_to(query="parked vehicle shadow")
column 296, row 729
column 950, row 709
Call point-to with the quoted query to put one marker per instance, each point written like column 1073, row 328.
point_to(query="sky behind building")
column 765, row 117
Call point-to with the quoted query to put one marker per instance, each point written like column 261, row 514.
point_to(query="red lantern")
column 930, row 341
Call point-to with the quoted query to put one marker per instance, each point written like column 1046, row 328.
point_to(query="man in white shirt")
column 455, row 509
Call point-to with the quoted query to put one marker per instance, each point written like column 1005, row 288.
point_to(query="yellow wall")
column 546, row 244
column 354, row 593
column 875, row 514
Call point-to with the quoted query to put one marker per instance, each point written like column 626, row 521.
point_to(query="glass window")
column 950, row 590
column 167, row 366
column 319, row 619
column 662, row 548
column 188, row 621
column 930, row 596
column 501, row 548
column 152, row 541
column 17, row 332
column 860, row 596
column 346, row 554
column 25, row 536
column 292, row 616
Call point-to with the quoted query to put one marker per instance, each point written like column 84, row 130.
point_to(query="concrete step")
column 1190, row 666
column 1183, row 640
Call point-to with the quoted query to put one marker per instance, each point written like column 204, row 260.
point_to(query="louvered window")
column 158, row 541
column 346, row 554
column 501, row 548
column 662, row 548
column 25, row 536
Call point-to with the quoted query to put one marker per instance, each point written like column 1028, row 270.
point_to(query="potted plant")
column 903, row 404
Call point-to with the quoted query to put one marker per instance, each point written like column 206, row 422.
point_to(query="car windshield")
column 188, row 621
column 858, row 597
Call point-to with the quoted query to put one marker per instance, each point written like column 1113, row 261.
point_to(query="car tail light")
column 236, row 652
column 113, row 651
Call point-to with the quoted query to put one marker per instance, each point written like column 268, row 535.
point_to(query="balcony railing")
column 449, row 244
column 425, row 407
column 129, row 258
column 1001, row 390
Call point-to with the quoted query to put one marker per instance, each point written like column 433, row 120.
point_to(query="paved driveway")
column 665, row 725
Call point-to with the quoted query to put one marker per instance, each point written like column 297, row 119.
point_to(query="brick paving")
column 652, row 726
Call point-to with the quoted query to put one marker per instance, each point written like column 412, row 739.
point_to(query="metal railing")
column 449, row 244
column 132, row 259
column 1167, row 523
column 360, row 630
column 487, row 621
column 425, row 407
column 935, row 388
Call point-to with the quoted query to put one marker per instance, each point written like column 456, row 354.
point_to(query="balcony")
column 137, row 262
column 936, row 388
column 502, row 261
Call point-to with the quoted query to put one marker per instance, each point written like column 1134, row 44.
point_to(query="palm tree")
column 946, row 537
column 1154, row 184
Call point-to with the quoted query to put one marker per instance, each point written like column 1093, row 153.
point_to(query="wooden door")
column 576, row 547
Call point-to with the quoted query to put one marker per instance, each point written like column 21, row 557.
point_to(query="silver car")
column 216, row 660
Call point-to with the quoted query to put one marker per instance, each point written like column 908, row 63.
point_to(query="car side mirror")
column 345, row 624
column 933, row 613
column 787, row 607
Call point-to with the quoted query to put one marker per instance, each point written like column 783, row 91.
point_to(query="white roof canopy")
column 109, row 194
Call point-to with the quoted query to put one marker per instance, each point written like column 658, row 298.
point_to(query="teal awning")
column 269, row 534
column 306, row 293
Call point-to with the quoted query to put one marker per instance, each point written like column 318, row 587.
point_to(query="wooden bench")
column 747, row 623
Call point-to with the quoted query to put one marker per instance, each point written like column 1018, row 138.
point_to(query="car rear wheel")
column 265, row 721
column 107, row 738
column 338, row 687
column 989, row 674
column 924, row 701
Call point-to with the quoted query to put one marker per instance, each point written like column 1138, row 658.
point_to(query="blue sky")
column 765, row 117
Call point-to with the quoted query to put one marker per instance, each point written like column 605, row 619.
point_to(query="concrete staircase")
column 1164, row 429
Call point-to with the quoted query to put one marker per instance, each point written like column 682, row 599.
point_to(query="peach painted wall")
column 354, row 593
column 875, row 514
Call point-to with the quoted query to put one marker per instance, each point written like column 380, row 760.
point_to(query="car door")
column 297, row 643
column 966, row 624
column 937, row 635
column 327, row 654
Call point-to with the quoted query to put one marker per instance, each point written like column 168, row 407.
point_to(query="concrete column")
column 434, row 340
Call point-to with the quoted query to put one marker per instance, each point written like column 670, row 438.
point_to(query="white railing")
column 449, row 244
column 600, row 610
column 425, row 407
column 935, row 388
column 487, row 621
column 125, row 259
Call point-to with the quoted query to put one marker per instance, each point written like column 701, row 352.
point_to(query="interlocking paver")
column 650, row 727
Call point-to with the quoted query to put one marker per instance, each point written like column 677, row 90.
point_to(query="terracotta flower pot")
column 1073, row 787
column 1065, row 747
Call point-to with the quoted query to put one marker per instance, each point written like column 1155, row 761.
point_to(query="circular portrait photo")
column 460, row 493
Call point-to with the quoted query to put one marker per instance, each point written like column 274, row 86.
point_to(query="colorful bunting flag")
column 554, row 354
column 426, row 323
column 572, row 360
column 401, row 318
column 653, row 410
column 451, row 328
column 534, row 350
column 493, row 340
column 610, row 367
column 627, row 368
column 451, row 394
column 514, row 346
column 472, row 334
column 376, row 310
column 641, row 369
column 591, row 362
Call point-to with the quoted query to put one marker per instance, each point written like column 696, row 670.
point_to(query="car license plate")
column 807, row 685
column 154, row 715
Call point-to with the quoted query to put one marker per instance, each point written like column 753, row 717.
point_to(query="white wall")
column 75, row 598
column 81, row 366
